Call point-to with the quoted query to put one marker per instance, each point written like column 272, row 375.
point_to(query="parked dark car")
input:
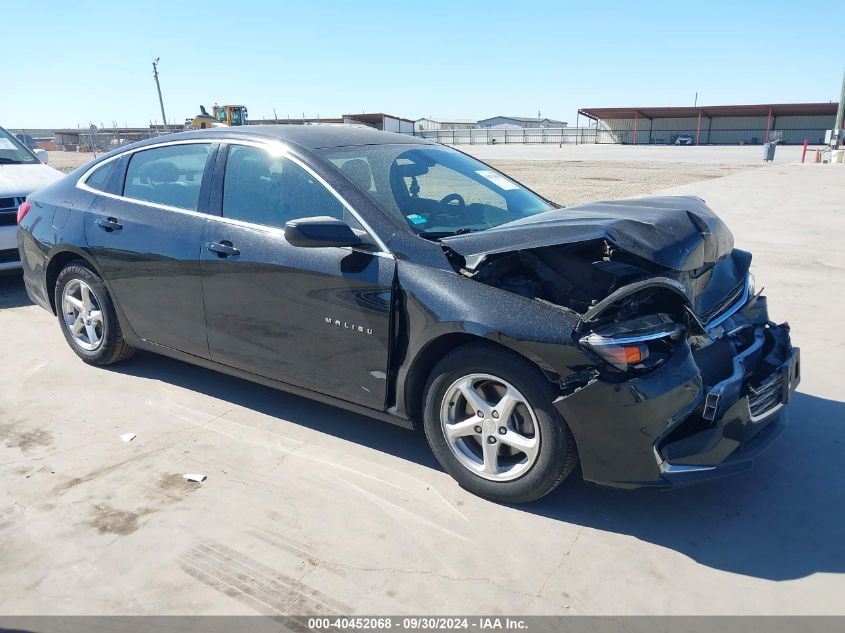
column 402, row 279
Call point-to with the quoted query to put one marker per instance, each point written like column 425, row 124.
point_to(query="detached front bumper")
column 703, row 414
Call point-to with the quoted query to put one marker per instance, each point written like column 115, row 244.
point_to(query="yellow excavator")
column 220, row 116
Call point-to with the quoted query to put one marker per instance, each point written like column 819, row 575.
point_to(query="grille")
column 765, row 395
column 8, row 219
column 9, row 255
column 715, row 362
column 732, row 297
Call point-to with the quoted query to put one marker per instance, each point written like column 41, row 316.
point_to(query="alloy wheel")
column 82, row 314
column 490, row 427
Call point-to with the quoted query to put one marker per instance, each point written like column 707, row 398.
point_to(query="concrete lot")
column 307, row 508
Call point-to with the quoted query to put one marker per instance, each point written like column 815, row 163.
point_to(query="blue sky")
column 90, row 61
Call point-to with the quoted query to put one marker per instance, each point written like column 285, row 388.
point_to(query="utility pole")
column 696, row 100
column 158, row 87
column 841, row 109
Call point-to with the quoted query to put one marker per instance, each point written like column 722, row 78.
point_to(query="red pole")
column 636, row 116
column 768, row 124
column 698, row 128
column 804, row 153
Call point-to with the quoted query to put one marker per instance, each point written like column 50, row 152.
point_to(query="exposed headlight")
column 639, row 344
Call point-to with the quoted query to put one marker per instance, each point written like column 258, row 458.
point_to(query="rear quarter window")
column 99, row 179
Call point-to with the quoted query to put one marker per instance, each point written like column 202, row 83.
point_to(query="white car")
column 685, row 139
column 21, row 172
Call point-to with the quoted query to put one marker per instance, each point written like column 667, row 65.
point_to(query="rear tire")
column 87, row 316
column 524, row 449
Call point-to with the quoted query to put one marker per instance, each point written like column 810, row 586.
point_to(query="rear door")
column 147, row 241
column 313, row 317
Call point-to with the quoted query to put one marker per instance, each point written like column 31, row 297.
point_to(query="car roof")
column 317, row 136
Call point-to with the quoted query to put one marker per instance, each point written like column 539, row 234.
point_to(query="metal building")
column 381, row 121
column 431, row 123
column 520, row 121
column 714, row 125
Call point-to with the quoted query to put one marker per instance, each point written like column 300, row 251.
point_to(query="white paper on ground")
column 194, row 477
column 128, row 437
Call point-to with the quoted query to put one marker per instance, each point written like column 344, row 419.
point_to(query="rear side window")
column 270, row 190
column 99, row 180
column 168, row 175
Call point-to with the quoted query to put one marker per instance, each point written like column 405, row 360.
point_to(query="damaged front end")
column 683, row 375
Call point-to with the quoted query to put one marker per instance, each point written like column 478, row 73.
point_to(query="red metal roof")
column 763, row 109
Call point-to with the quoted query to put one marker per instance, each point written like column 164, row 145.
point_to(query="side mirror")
column 320, row 232
column 40, row 154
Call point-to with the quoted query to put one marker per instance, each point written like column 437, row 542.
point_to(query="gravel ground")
column 68, row 161
column 570, row 182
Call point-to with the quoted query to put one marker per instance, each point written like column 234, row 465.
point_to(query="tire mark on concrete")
column 263, row 588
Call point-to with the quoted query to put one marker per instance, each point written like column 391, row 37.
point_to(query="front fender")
column 440, row 310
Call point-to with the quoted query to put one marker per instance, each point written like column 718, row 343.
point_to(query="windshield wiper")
column 10, row 161
column 436, row 235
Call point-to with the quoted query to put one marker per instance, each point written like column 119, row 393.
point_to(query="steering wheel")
column 446, row 210
column 445, row 204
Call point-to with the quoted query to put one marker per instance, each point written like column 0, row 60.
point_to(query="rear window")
column 168, row 175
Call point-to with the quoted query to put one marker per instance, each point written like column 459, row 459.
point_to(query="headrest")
column 161, row 171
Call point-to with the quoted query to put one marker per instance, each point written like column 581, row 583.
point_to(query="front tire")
column 489, row 420
column 87, row 316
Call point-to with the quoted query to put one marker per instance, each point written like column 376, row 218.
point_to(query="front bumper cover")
column 679, row 424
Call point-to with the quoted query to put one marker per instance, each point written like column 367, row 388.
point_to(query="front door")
column 314, row 317
column 147, row 243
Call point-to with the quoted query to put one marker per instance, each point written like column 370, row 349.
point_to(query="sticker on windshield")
column 416, row 219
column 6, row 144
column 497, row 179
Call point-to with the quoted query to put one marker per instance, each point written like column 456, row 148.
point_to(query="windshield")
column 12, row 151
column 437, row 191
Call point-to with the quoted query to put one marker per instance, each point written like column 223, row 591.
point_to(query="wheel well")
column 426, row 360
column 57, row 263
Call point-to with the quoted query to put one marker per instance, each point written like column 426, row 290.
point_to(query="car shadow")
column 780, row 521
column 12, row 291
column 311, row 414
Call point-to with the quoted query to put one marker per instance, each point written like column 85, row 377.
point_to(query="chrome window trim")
column 277, row 147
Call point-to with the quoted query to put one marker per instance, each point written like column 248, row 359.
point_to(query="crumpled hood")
column 679, row 232
column 22, row 180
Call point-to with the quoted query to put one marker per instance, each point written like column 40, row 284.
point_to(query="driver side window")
column 270, row 190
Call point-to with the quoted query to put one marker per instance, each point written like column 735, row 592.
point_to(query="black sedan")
column 402, row 279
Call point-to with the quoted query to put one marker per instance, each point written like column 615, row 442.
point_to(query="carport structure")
column 713, row 125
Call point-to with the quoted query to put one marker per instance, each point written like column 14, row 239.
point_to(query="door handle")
column 108, row 224
column 223, row 249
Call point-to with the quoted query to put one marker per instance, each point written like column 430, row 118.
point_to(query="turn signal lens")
column 622, row 356
column 23, row 210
